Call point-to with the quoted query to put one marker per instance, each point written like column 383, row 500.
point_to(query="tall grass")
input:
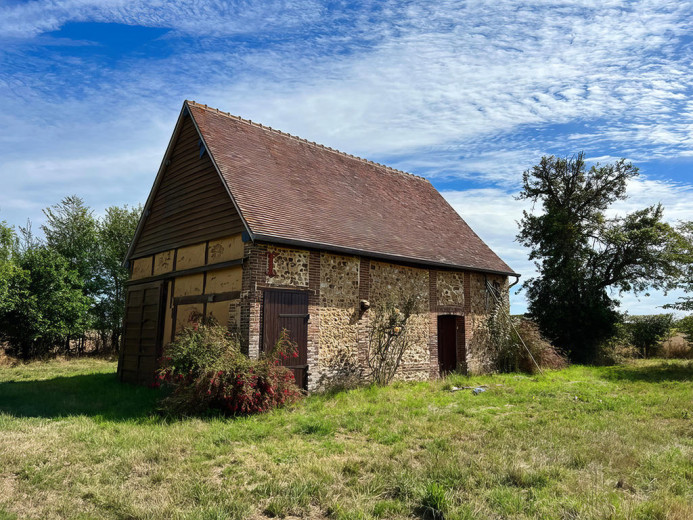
column 583, row 443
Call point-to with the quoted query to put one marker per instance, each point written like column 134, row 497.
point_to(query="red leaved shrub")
column 204, row 369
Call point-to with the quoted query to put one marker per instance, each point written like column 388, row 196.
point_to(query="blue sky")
column 468, row 94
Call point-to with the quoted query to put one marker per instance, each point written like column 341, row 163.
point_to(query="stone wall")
column 396, row 283
column 290, row 266
column 450, row 288
column 338, row 355
column 338, row 329
column 481, row 304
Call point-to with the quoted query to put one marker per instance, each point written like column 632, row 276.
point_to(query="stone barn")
column 263, row 230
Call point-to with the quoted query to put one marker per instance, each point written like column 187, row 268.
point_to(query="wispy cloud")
column 468, row 94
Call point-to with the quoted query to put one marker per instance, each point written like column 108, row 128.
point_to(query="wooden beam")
column 183, row 272
column 207, row 298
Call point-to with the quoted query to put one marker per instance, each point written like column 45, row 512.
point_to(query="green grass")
column 582, row 443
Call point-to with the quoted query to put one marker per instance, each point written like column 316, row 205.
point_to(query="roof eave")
column 375, row 254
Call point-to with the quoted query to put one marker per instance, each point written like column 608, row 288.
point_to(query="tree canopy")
column 54, row 290
column 685, row 303
column 584, row 256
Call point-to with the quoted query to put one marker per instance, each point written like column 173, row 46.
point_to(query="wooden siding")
column 447, row 343
column 191, row 204
column 143, row 333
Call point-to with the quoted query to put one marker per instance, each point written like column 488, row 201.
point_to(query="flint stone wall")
column 480, row 356
column 290, row 266
column 450, row 288
column 395, row 283
column 338, row 355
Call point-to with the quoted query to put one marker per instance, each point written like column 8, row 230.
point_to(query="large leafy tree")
column 46, row 303
column 685, row 303
column 8, row 249
column 54, row 290
column 115, row 231
column 71, row 229
column 583, row 256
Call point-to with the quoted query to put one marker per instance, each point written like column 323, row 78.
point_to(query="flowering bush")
column 205, row 369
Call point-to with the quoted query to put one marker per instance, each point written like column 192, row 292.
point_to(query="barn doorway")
column 447, row 344
column 288, row 310
column 142, row 332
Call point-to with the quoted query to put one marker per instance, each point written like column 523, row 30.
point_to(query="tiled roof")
column 289, row 190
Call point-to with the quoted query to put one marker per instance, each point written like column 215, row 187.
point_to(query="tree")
column 115, row 231
column 72, row 230
column 685, row 303
column 648, row 332
column 46, row 303
column 685, row 327
column 8, row 248
column 582, row 256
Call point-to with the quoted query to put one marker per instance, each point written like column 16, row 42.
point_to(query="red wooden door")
column 287, row 310
column 447, row 344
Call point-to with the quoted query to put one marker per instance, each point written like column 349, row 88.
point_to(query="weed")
column 435, row 501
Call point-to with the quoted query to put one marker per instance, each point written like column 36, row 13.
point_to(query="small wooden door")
column 447, row 344
column 288, row 310
column 142, row 333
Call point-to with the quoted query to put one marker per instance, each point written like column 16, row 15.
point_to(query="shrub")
column 685, row 327
column 545, row 354
column 517, row 342
column 676, row 347
column 648, row 332
column 206, row 370
column 618, row 348
column 389, row 338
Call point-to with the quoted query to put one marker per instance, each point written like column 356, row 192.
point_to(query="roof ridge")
column 302, row 140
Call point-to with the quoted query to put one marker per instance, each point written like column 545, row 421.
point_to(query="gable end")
column 190, row 203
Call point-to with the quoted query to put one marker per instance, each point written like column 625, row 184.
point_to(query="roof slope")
column 292, row 191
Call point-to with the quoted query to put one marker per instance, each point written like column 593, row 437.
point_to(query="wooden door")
column 447, row 344
column 287, row 310
column 142, row 332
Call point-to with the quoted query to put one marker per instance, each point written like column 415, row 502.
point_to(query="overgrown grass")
column 580, row 443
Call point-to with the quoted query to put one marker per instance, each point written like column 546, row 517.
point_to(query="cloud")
column 209, row 18
column 467, row 94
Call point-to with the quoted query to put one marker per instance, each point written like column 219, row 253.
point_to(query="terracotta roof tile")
column 292, row 190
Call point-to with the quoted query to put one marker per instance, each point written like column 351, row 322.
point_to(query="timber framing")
column 183, row 272
column 207, row 298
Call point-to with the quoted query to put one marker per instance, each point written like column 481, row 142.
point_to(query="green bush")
column 618, row 348
column 685, row 327
column 205, row 370
column 648, row 332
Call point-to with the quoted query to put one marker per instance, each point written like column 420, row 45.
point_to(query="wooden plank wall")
column 142, row 338
column 191, row 204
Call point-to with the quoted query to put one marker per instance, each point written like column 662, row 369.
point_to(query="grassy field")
column 576, row 444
